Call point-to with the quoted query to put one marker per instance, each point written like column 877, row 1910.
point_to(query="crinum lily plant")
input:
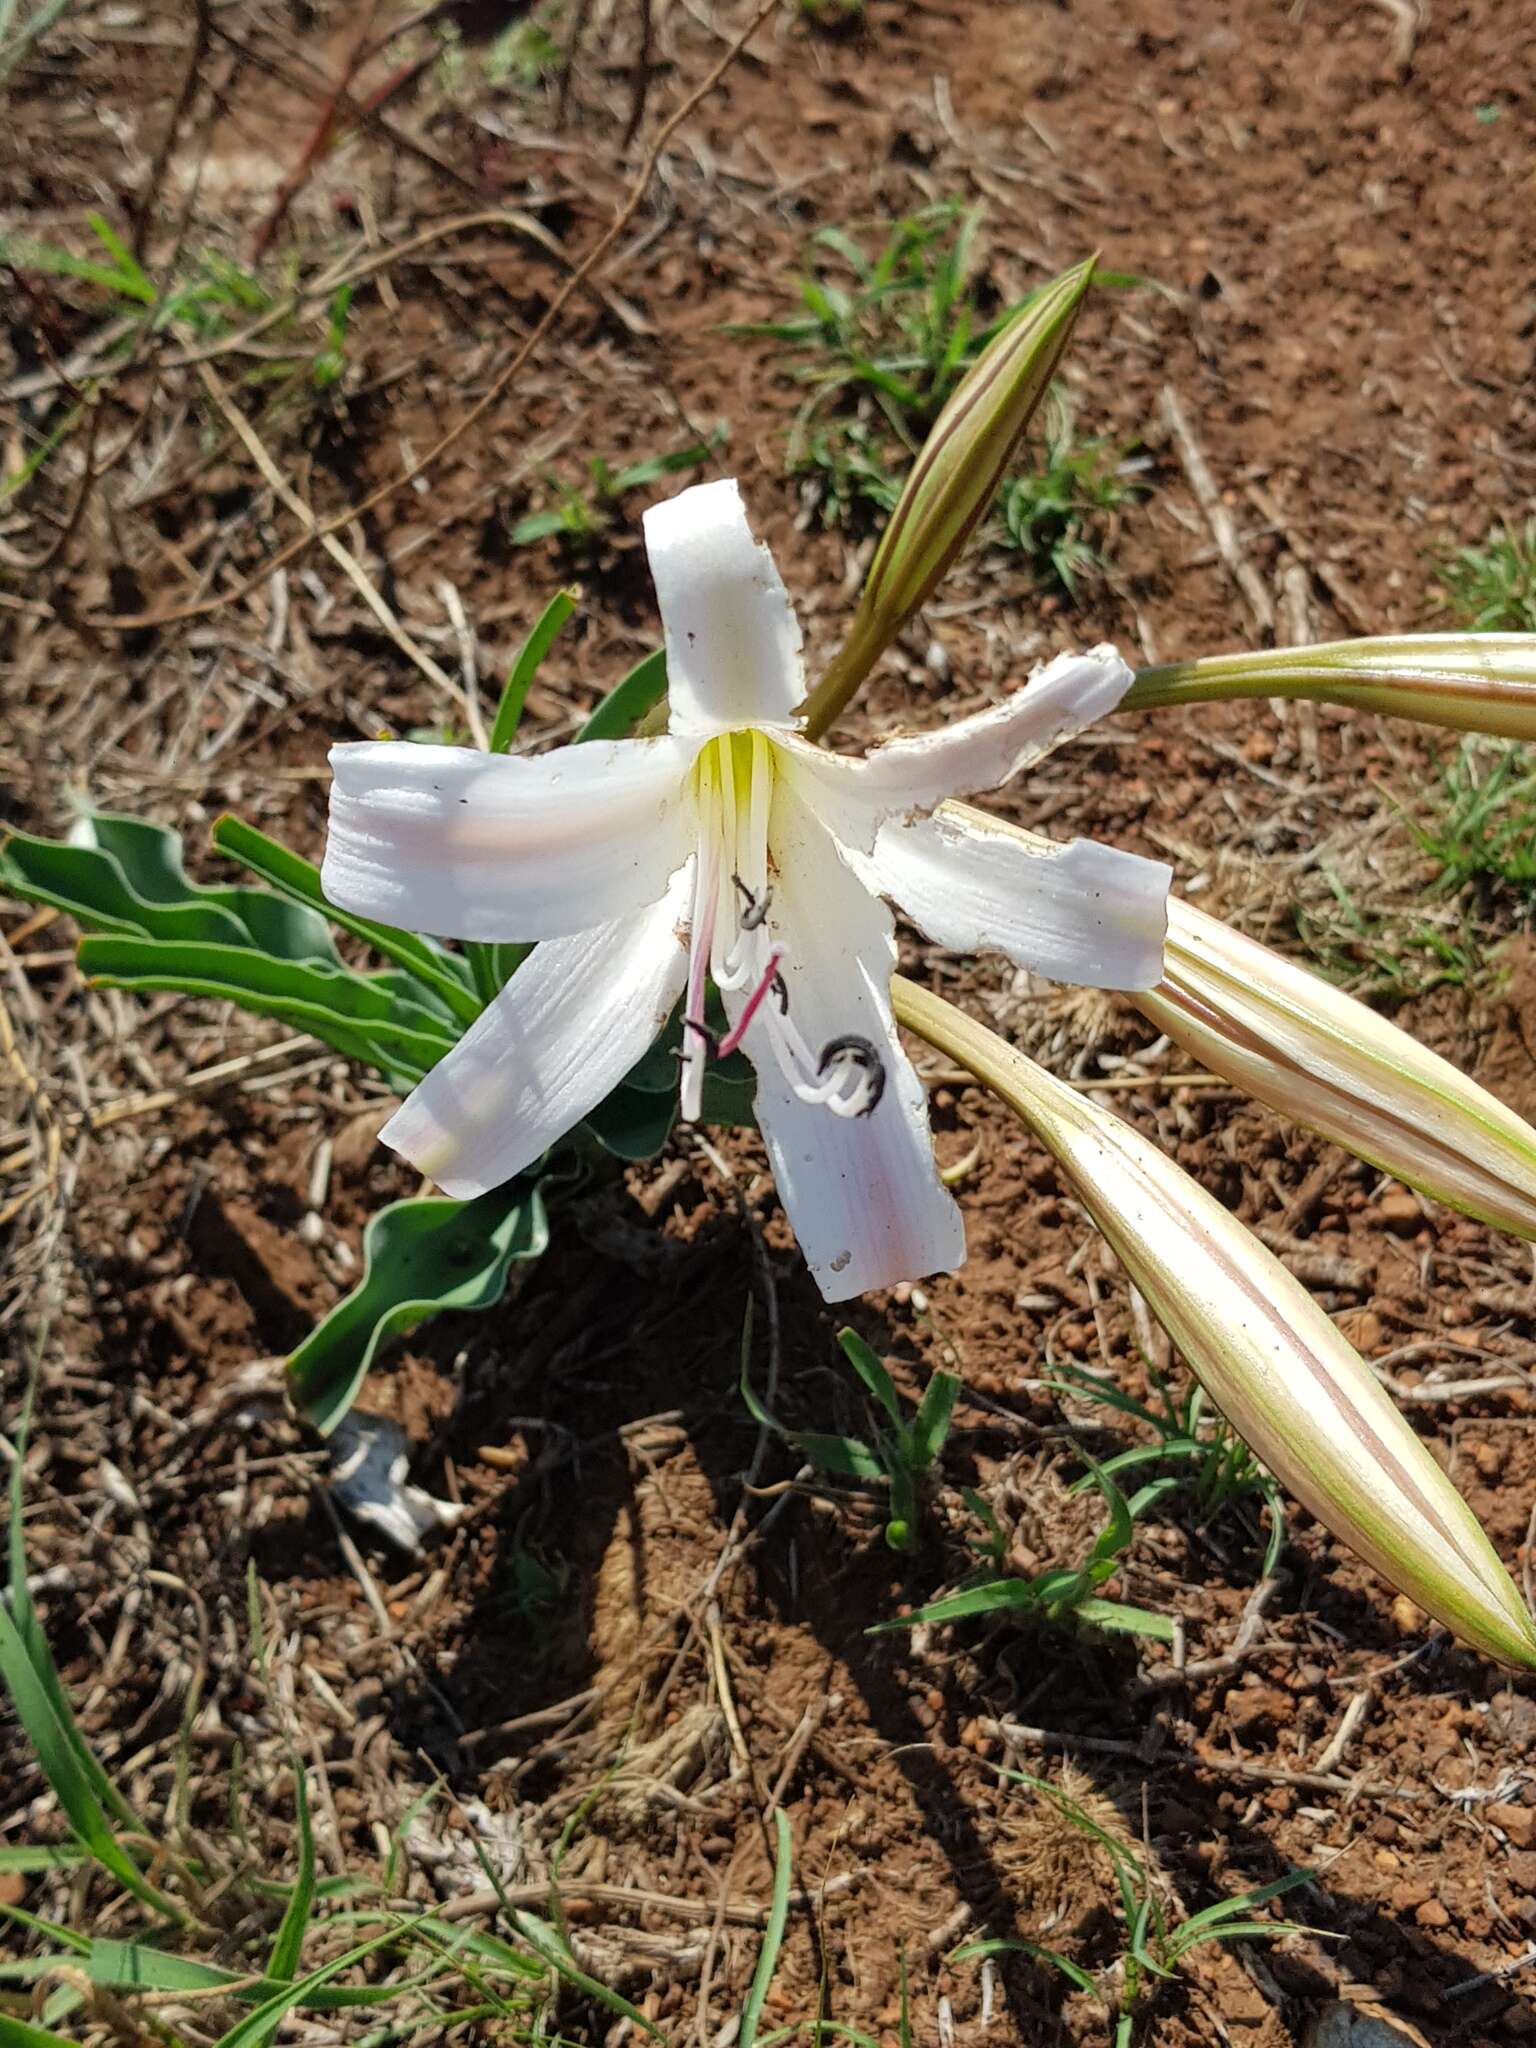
column 731, row 866
column 731, row 849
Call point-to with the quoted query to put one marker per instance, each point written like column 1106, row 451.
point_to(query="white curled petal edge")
column 862, row 1193
column 561, row 1035
column 1076, row 912
column 733, row 641
column 470, row 845
column 910, row 776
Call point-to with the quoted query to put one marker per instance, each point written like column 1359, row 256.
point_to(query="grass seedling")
column 1398, row 955
column 1485, row 830
column 276, row 1946
column 1151, row 1948
column 524, row 54
column 580, row 515
column 1066, row 1596
column 1492, row 588
column 901, row 1452
column 1205, row 1459
column 1054, row 516
column 211, row 301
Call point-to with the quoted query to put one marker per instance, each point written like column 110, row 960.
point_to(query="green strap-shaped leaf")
column 131, row 880
column 514, row 692
column 442, row 972
column 54, row 1741
column 357, row 1016
column 289, row 1945
column 629, row 700
column 33, row 1642
column 16, row 2033
column 420, row 1258
column 633, row 1123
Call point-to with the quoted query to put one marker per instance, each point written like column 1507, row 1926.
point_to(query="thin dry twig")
column 125, row 622
column 1218, row 518
column 343, row 557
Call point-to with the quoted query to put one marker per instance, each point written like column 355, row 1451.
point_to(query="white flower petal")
column 470, row 845
column 862, row 1193
column 1077, row 912
column 906, row 777
column 564, row 1031
column 733, row 641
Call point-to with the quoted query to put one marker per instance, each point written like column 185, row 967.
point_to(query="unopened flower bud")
column 953, row 481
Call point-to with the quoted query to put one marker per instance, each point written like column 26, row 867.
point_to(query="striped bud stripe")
column 1470, row 682
column 1306, row 1049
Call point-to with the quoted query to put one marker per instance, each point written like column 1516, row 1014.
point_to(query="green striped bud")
column 1303, row 1047
column 953, row 482
column 1471, row 682
column 1285, row 1377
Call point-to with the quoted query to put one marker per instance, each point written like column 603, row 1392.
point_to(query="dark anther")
column 710, row 1038
column 755, row 911
column 864, row 1056
column 780, row 989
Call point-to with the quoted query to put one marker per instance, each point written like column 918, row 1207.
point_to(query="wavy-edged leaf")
column 348, row 1011
column 420, row 1257
column 129, row 877
column 91, row 883
column 445, row 974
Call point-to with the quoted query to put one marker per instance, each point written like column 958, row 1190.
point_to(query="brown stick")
column 320, row 135
column 1218, row 518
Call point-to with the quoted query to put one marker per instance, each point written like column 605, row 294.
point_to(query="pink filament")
column 750, row 1008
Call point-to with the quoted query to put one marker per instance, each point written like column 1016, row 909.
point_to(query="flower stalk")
column 1469, row 682
column 1288, row 1382
column 952, row 483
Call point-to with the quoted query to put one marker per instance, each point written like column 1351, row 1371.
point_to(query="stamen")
column 851, row 1050
column 731, row 941
column 771, row 978
column 757, row 908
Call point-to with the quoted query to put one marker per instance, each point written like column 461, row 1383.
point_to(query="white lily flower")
column 733, row 849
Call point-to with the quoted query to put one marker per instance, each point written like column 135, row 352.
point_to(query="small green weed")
column 1065, row 1597
column 1397, row 954
column 1054, row 517
column 214, row 299
column 1207, row 1460
column 579, row 516
column 200, row 1920
column 901, row 1452
column 524, row 54
column 1152, row 1949
column 1492, row 588
column 833, row 17
column 1485, row 827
